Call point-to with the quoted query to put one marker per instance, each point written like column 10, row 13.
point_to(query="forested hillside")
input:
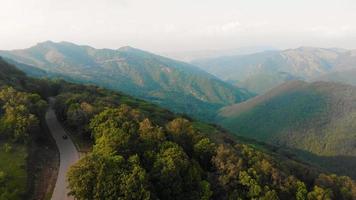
column 176, row 85
column 23, row 138
column 136, row 154
column 140, row 151
column 315, row 117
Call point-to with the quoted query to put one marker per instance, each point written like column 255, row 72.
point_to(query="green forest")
column 138, row 150
column 137, row 154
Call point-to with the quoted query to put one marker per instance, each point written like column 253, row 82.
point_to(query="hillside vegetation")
column 141, row 151
column 172, row 84
column 263, row 71
column 315, row 117
column 21, row 112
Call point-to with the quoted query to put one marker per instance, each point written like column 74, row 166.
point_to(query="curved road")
column 68, row 155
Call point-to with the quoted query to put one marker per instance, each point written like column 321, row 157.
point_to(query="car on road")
column 65, row 137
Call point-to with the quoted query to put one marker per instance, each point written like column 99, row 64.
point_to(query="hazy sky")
column 179, row 25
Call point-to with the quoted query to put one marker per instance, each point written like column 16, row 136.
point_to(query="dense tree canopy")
column 141, row 151
column 19, row 113
column 134, row 158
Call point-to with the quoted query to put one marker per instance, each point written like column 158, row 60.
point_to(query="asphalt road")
column 68, row 155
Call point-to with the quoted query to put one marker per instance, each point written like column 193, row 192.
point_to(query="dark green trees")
column 108, row 177
column 19, row 114
column 133, row 158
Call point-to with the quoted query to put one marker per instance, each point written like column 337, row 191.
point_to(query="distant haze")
column 179, row 25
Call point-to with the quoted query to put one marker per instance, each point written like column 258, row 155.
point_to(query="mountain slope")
column 172, row 84
column 140, row 150
column 252, row 71
column 317, row 117
column 347, row 76
column 26, row 153
column 317, row 120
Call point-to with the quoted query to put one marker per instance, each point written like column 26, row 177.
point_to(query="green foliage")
column 172, row 173
column 13, row 175
column 282, row 113
column 20, row 111
column 301, row 191
column 319, row 193
column 141, row 152
column 133, row 158
column 7, row 148
column 204, row 150
column 317, row 119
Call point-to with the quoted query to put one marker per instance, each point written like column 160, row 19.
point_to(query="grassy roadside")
column 13, row 175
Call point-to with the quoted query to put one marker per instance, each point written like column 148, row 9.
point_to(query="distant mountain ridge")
column 345, row 76
column 176, row 85
column 189, row 56
column 262, row 71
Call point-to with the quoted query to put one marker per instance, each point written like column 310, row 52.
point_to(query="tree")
column 123, row 117
column 206, row 192
column 113, row 141
column 228, row 166
column 253, row 189
column 108, row 177
column 174, row 176
column 18, row 123
column 76, row 117
column 204, row 150
column 19, row 116
column 83, row 173
column 135, row 183
column 182, row 132
column 319, row 193
column 301, row 191
column 2, row 178
column 150, row 135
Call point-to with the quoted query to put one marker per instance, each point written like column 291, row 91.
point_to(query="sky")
column 179, row 25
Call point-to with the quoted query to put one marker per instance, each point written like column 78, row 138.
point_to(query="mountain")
column 189, row 56
column 139, row 150
column 27, row 69
column 346, row 76
column 318, row 118
column 176, row 85
column 9, row 75
column 261, row 72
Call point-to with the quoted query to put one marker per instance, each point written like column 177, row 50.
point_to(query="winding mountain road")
column 67, row 151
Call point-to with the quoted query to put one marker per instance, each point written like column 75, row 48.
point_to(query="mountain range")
column 137, row 151
column 312, row 117
column 172, row 84
column 263, row 71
